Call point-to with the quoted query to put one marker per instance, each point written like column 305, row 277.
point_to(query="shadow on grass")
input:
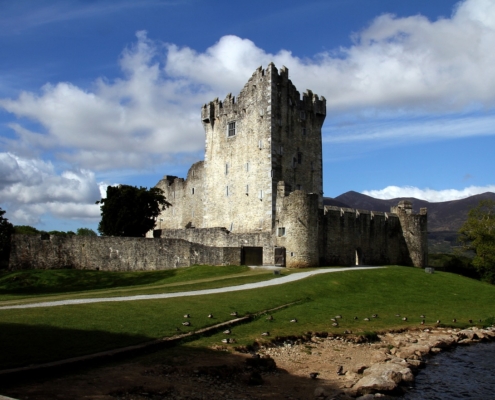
column 176, row 371
column 22, row 345
column 67, row 280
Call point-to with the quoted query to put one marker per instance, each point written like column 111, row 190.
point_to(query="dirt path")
column 278, row 281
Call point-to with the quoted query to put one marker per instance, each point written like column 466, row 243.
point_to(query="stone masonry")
column 262, row 182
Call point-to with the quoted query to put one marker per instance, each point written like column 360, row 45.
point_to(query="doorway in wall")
column 359, row 257
column 280, row 256
column 252, row 256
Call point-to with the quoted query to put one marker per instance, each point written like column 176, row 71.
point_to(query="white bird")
column 210, row 315
column 227, row 331
column 187, row 316
column 265, row 334
column 187, row 323
column 293, row 320
column 234, row 313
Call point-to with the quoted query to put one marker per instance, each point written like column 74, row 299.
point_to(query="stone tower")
column 265, row 136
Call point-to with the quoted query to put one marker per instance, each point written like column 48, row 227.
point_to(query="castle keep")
column 260, row 188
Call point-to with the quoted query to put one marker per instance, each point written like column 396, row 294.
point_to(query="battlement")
column 262, row 79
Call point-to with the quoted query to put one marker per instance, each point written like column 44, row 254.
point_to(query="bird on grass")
column 355, row 318
column 338, row 316
column 234, row 313
column 375, row 315
column 293, row 320
column 265, row 334
column 422, row 316
column 177, row 329
column 438, row 321
column 227, row 331
column 187, row 316
column 210, row 315
column 269, row 318
column 404, row 319
column 422, row 322
column 333, row 319
column 470, row 321
column 397, row 315
column 335, row 324
column 454, row 320
column 314, row 375
column 228, row 340
column 187, row 323
column 366, row 319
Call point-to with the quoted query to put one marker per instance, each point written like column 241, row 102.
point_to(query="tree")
column 130, row 211
column 85, row 232
column 478, row 234
column 6, row 231
column 26, row 230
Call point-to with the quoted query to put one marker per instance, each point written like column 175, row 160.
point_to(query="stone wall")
column 224, row 238
column 115, row 253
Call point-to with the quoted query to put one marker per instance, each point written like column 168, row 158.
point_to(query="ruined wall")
column 363, row 237
column 298, row 227
column 224, row 238
column 186, row 197
column 114, row 253
column 415, row 232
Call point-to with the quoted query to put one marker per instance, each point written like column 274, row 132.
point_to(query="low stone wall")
column 114, row 253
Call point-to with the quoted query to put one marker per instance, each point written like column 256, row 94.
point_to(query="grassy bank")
column 48, row 285
column 36, row 335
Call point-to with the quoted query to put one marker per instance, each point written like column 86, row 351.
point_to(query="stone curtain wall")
column 114, row 253
column 364, row 237
column 224, row 238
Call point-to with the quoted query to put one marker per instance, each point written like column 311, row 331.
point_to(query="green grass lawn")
column 29, row 286
column 42, row 334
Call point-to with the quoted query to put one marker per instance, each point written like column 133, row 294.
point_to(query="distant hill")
column 444, row 218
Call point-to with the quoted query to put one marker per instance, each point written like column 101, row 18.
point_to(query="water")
column 467, row 372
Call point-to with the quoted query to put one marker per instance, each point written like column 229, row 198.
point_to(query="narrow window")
column 231, row 129
column 192, row 191
column 304, row 131
column 303, row 115
column 227, row 191
column 312, row 166
column 226, row 168
column 247, row 189
column 299, row 158
column 294, row 162
column 231, row 226
column 260, row 144
column 281, row 150
column 298, row 187
column 281, row 231
column 247, row 167
column 271, row 173
column 260, row 194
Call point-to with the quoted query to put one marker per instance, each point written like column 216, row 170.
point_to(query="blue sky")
column 104, row 92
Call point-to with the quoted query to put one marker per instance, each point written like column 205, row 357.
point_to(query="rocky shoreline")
column 381, row 369
column 312, row 366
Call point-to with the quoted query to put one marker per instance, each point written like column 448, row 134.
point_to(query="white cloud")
column 151, row 114
column 30, row 188
column 393, row 192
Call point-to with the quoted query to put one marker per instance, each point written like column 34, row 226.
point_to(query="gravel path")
column 247, row 286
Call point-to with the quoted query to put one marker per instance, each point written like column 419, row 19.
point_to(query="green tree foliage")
column 26, row 230
column 6, row 231
column 478, row 234
column 85, row 232
column 130, row 211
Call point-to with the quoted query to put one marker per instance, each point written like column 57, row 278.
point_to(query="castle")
column 260, row 188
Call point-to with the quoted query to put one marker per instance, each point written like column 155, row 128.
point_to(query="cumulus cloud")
column 393, row 192
column 151, row 114
column 30, row 188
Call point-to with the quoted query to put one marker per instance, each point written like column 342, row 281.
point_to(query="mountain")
column 442, row 216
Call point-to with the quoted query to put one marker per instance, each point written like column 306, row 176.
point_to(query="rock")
column 383, row 378
column 359, row 369
column 416, row 349
column 379, row 356
column 442, row 341
column 320, row 393
column 366, row 397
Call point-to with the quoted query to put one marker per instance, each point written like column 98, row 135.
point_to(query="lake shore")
column 317, row 365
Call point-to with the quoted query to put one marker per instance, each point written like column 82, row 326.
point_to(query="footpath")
column 277, row 281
